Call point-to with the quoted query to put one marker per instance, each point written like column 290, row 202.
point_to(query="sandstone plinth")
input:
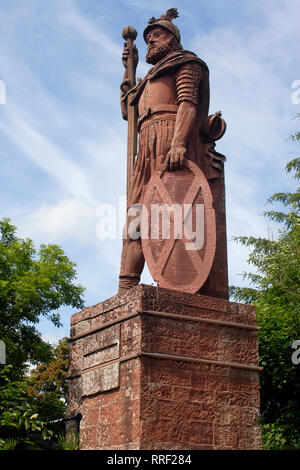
column 158, row 369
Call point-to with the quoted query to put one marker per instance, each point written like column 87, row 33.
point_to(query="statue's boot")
column 127, row 281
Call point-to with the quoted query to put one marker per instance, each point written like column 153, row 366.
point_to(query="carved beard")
column 157, row 52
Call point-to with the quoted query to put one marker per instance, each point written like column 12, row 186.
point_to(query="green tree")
column 47, row 387
column 275, row 290
column 33, row 283
column 20, row 426
column 28, row 405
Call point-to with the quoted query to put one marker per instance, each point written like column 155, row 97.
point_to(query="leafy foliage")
column 20, row 425
column 47, row 387
column 27, row 407
column 8, row 444
column 275, row 290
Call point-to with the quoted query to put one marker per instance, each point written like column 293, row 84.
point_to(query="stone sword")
column 129, row 34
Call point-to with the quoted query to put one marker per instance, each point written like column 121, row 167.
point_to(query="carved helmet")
column 165, row 21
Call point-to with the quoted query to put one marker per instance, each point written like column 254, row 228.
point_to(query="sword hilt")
column 129, row 34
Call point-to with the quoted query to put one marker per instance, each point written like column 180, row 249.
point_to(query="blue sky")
column 63, row 142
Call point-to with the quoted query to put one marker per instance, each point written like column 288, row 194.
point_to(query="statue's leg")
column 132, row 260
column 132, row 264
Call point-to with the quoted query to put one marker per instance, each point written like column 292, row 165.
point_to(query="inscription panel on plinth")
column 100, row 348
column 101, row 380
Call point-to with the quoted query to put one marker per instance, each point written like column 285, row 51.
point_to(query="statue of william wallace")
column 176, row 161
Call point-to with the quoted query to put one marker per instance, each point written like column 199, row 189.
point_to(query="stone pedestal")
column 158, row 369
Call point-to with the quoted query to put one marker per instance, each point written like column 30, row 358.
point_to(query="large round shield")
column 178, row 228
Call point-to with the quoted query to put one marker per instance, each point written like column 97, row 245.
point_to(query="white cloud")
column 68, row 220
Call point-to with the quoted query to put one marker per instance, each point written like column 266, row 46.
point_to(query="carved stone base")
column 158, row 369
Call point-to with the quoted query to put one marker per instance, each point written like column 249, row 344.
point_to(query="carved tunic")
column 158, row 92
column 158, row 103
column 157, row 107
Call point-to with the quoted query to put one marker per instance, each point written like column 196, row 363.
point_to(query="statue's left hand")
column 174, row 159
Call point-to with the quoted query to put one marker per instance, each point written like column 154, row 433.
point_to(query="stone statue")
column 123, row 349
column 169, row 109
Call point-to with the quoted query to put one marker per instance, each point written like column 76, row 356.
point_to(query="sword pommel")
column 129, row 32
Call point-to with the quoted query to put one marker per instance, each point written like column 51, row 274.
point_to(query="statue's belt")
column 164, row 108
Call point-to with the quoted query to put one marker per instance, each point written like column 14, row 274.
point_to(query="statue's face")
column 160, row 43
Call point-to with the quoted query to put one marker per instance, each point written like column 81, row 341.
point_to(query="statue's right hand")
column 126, row 53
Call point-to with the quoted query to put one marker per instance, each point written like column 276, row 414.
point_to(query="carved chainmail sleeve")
column 188, row 80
